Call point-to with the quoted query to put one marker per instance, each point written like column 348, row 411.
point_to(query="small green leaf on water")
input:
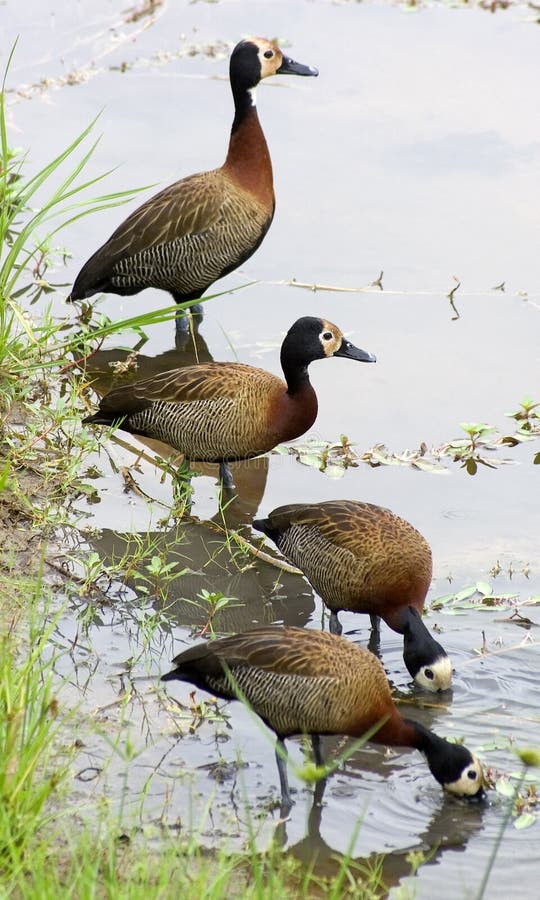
column 426, row 466
column 310, row 459
column 525, row 820
column 525, row 776
column 334, row 471
column 504, row 788
column 465, row 593
column 495, row 744
column 529, row 756
column 441, row 601
column 484, row 588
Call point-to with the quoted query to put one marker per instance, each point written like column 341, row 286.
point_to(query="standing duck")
column 310, row 682
column 204, row 226
column 363, row 558
column 223, row 411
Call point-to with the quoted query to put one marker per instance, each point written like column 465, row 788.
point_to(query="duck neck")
column 446, row 761
column 419, row 647
column 400, row 732
column 248, row 159
column 296, row 375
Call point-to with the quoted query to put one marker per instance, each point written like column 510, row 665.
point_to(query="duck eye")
column 429, row 674
column 327, row 336
column 472, row 775
column 268, row 54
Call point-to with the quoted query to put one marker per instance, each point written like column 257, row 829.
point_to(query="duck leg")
column 281, row 759
column 317, row 750
column 374, row 643
column 335, row 627
column 225, row 475
column 184, row 316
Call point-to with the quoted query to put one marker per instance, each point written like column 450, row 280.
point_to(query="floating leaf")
column 441, row 601
column 334, row 471
column 525, row 820
column 495, row 744
column 310, row 459
column 281, row 450
column 465, row 593
column 527, row 776
column 484, row 588
column 426, row 466
column 506, row 789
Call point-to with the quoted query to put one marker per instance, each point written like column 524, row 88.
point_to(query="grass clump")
column 81, row 864
column 31, row 768
column 42, row 443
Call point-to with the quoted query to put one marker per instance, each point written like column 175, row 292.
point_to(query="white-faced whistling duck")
column 363, row 558
column 222, row 411
column 204, row 226
column 310, row 682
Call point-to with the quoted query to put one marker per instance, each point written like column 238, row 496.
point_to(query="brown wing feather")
column 189, row 206
column 356, row 555
column 207, row 381
column 351, row 525
column 285, row 651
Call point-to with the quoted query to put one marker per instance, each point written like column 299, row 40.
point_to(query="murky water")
column 416, row 152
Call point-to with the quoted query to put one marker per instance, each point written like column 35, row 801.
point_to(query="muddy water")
column 416, row 152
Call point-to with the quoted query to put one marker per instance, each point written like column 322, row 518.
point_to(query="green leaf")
column 334, row 471
column 506, row 789
column 426, row 466
column 310, row 459
column 465, row 593
column 525, row 820
column 441, row 601
column 483, row 587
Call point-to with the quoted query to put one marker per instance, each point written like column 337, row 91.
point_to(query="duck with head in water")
column 224, row 411
column 364, row 558
column 301, row 681
column 206, row 225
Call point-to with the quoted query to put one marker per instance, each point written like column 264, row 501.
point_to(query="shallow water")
column 415, row 152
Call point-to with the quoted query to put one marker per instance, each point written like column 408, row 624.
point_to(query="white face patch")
column 469, row 782
column 435, row 677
